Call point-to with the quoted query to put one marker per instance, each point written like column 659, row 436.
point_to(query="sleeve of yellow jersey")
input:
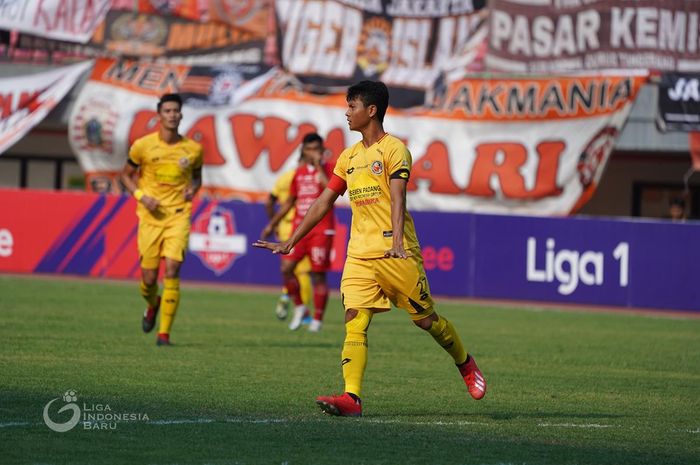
column 277, row 188
column 399, row 162
column 341, row 165
column 136, row 152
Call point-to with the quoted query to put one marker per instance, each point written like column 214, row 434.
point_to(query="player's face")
column 312, row 152
column 358, row 114
column 170, row 115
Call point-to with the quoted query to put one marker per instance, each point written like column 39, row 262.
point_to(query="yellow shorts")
column 168, row 241
column 376, row 282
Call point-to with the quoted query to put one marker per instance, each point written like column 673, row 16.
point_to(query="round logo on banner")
column 214, row 239
column 592, row 157
column 224, row 86
column 142, row 28
column 93, row 127
column 374, row 50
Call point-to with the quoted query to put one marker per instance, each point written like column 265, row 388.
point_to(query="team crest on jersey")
column 377, row 167
column 374, row 50
column 214, row 239
column 93, row 127
column 184, row 162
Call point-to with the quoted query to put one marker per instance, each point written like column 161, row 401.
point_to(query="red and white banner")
column 409, row 45
column 26, row 100
column 72, row 20
column 530, row 146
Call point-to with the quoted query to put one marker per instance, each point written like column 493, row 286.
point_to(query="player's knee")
column 172, row 268
column 318, row 277
column 427, row 322
column 287, row 269
column 357, row 321
column 149, row 277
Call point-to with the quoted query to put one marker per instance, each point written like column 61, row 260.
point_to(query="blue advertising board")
column 612, row 262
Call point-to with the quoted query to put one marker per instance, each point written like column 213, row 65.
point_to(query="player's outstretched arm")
column 315, row 214
column 277, row 217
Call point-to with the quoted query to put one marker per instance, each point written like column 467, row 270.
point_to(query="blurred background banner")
column 72, row 20
column 679, row 102
column 129, row 34
column 481, row 146
column 26, row 100
column 247, row 14
column 538, row 36
column 332, row 44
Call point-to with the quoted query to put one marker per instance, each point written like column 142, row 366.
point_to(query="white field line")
column 269, row 421
column 574, row 425
column 15, row 423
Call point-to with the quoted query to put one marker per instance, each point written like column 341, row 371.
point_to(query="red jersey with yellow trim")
column 306, row 187
column 367, row 172
column 165, row 171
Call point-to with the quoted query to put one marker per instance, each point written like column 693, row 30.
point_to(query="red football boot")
column 341, row 406
column 149, row 317
column 473, row 378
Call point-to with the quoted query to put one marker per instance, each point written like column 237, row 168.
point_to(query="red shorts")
column 317, row 247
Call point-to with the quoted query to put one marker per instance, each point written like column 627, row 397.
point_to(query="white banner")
column 26, row 100
column 529, row 146
column 72, row 20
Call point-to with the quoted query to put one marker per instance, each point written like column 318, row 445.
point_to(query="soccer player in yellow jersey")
column 278, row 196
column 163, row 173
column 384, row 263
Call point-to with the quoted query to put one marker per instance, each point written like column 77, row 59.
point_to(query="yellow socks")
column 444, row 334
column 305, row 288
column 169, row 303
column 149, row 293
column 354, row 355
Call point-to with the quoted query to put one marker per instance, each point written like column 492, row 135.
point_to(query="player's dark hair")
column 371, row 93
column 169, row 98
column 311, row 137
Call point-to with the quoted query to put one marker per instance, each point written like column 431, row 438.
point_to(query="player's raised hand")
column 277, row 248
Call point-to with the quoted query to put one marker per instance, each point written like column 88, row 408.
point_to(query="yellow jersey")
column 281, row 191
column 165, row 171
column 367, row 173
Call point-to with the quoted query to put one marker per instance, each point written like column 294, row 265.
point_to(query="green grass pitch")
column 565, row 387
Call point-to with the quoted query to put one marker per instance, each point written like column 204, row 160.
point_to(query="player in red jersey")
column 309, row 181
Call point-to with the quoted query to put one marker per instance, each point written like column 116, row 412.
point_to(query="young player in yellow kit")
column 163, row 173
column 279, row 195
column 384, row 263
